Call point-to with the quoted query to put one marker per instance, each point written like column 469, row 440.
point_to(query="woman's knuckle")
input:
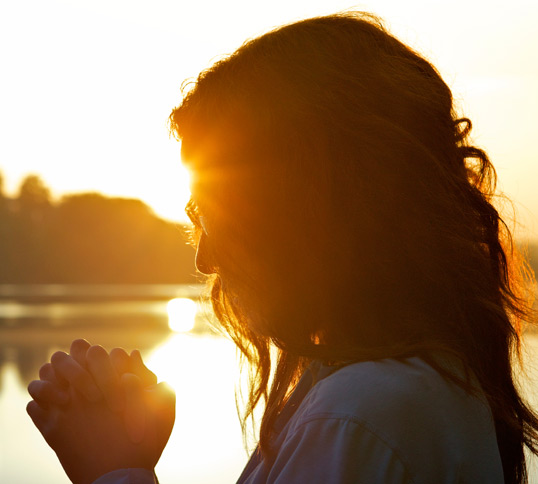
column 58, row 358
column 45, row 371
column 80, row 342
column 96, row 353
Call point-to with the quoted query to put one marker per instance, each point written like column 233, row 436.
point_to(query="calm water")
column 206, row 444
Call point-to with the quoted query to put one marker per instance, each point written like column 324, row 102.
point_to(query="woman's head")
column 328, row 159
column 347, row 215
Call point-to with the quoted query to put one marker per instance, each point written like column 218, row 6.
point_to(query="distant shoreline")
column 40, row 293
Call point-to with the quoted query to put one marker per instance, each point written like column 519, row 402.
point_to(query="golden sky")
column 87, row 85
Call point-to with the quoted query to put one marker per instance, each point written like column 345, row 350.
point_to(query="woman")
column 342, row 216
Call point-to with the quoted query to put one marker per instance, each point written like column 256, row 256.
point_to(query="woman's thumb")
column 135, row 409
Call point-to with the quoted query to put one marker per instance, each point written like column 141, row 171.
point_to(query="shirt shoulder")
column 374, row 390
column 435, row 429
column 128, row 476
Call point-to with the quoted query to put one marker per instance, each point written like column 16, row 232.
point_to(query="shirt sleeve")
column 128, row 476
column 335, row 450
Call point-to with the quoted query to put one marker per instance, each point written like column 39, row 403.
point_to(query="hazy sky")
column 86, row 86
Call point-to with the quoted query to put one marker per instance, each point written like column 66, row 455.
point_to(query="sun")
column 169, row 197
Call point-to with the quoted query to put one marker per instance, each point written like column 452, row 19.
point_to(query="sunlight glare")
column 202, row 369
column 169, row 195
column 181, row 313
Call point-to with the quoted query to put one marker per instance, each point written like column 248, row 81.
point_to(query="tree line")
column 88, row 238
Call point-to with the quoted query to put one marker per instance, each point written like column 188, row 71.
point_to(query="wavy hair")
column 351, row 218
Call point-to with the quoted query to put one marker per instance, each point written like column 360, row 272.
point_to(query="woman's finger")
column 66, row 367
column 78, row 350
column 41, row 418
column 105, row 376
column 142, row 371
column 37, row 414
column 46, row 392
column 120, row 361
column 135, row 409
column 47, row 373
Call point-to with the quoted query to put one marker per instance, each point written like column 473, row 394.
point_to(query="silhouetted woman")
column 343, row 216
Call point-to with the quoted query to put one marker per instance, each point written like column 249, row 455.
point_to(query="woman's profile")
column 346, row 226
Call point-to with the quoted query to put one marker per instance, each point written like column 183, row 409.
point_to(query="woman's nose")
column 204, row 261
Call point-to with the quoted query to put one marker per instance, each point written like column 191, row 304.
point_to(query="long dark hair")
column 351, row 218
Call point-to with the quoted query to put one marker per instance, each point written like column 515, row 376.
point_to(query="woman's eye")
column 199, row 221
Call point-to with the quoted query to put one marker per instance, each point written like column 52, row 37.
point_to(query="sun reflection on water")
column 181, row 314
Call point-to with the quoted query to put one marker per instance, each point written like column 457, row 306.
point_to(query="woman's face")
column 203, row 258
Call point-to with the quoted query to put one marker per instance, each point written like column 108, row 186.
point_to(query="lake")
column 206, row 445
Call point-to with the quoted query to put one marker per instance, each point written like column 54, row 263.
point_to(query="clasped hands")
column 100, row 412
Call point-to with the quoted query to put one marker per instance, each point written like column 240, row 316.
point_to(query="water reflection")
column 181, row 314
column 35, row 323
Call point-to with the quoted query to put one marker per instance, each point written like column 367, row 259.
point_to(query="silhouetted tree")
column 90, row 238
column 3, row 199
column 118, row 240
column 34, row 196
column 4, row 223
column 27, row 231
